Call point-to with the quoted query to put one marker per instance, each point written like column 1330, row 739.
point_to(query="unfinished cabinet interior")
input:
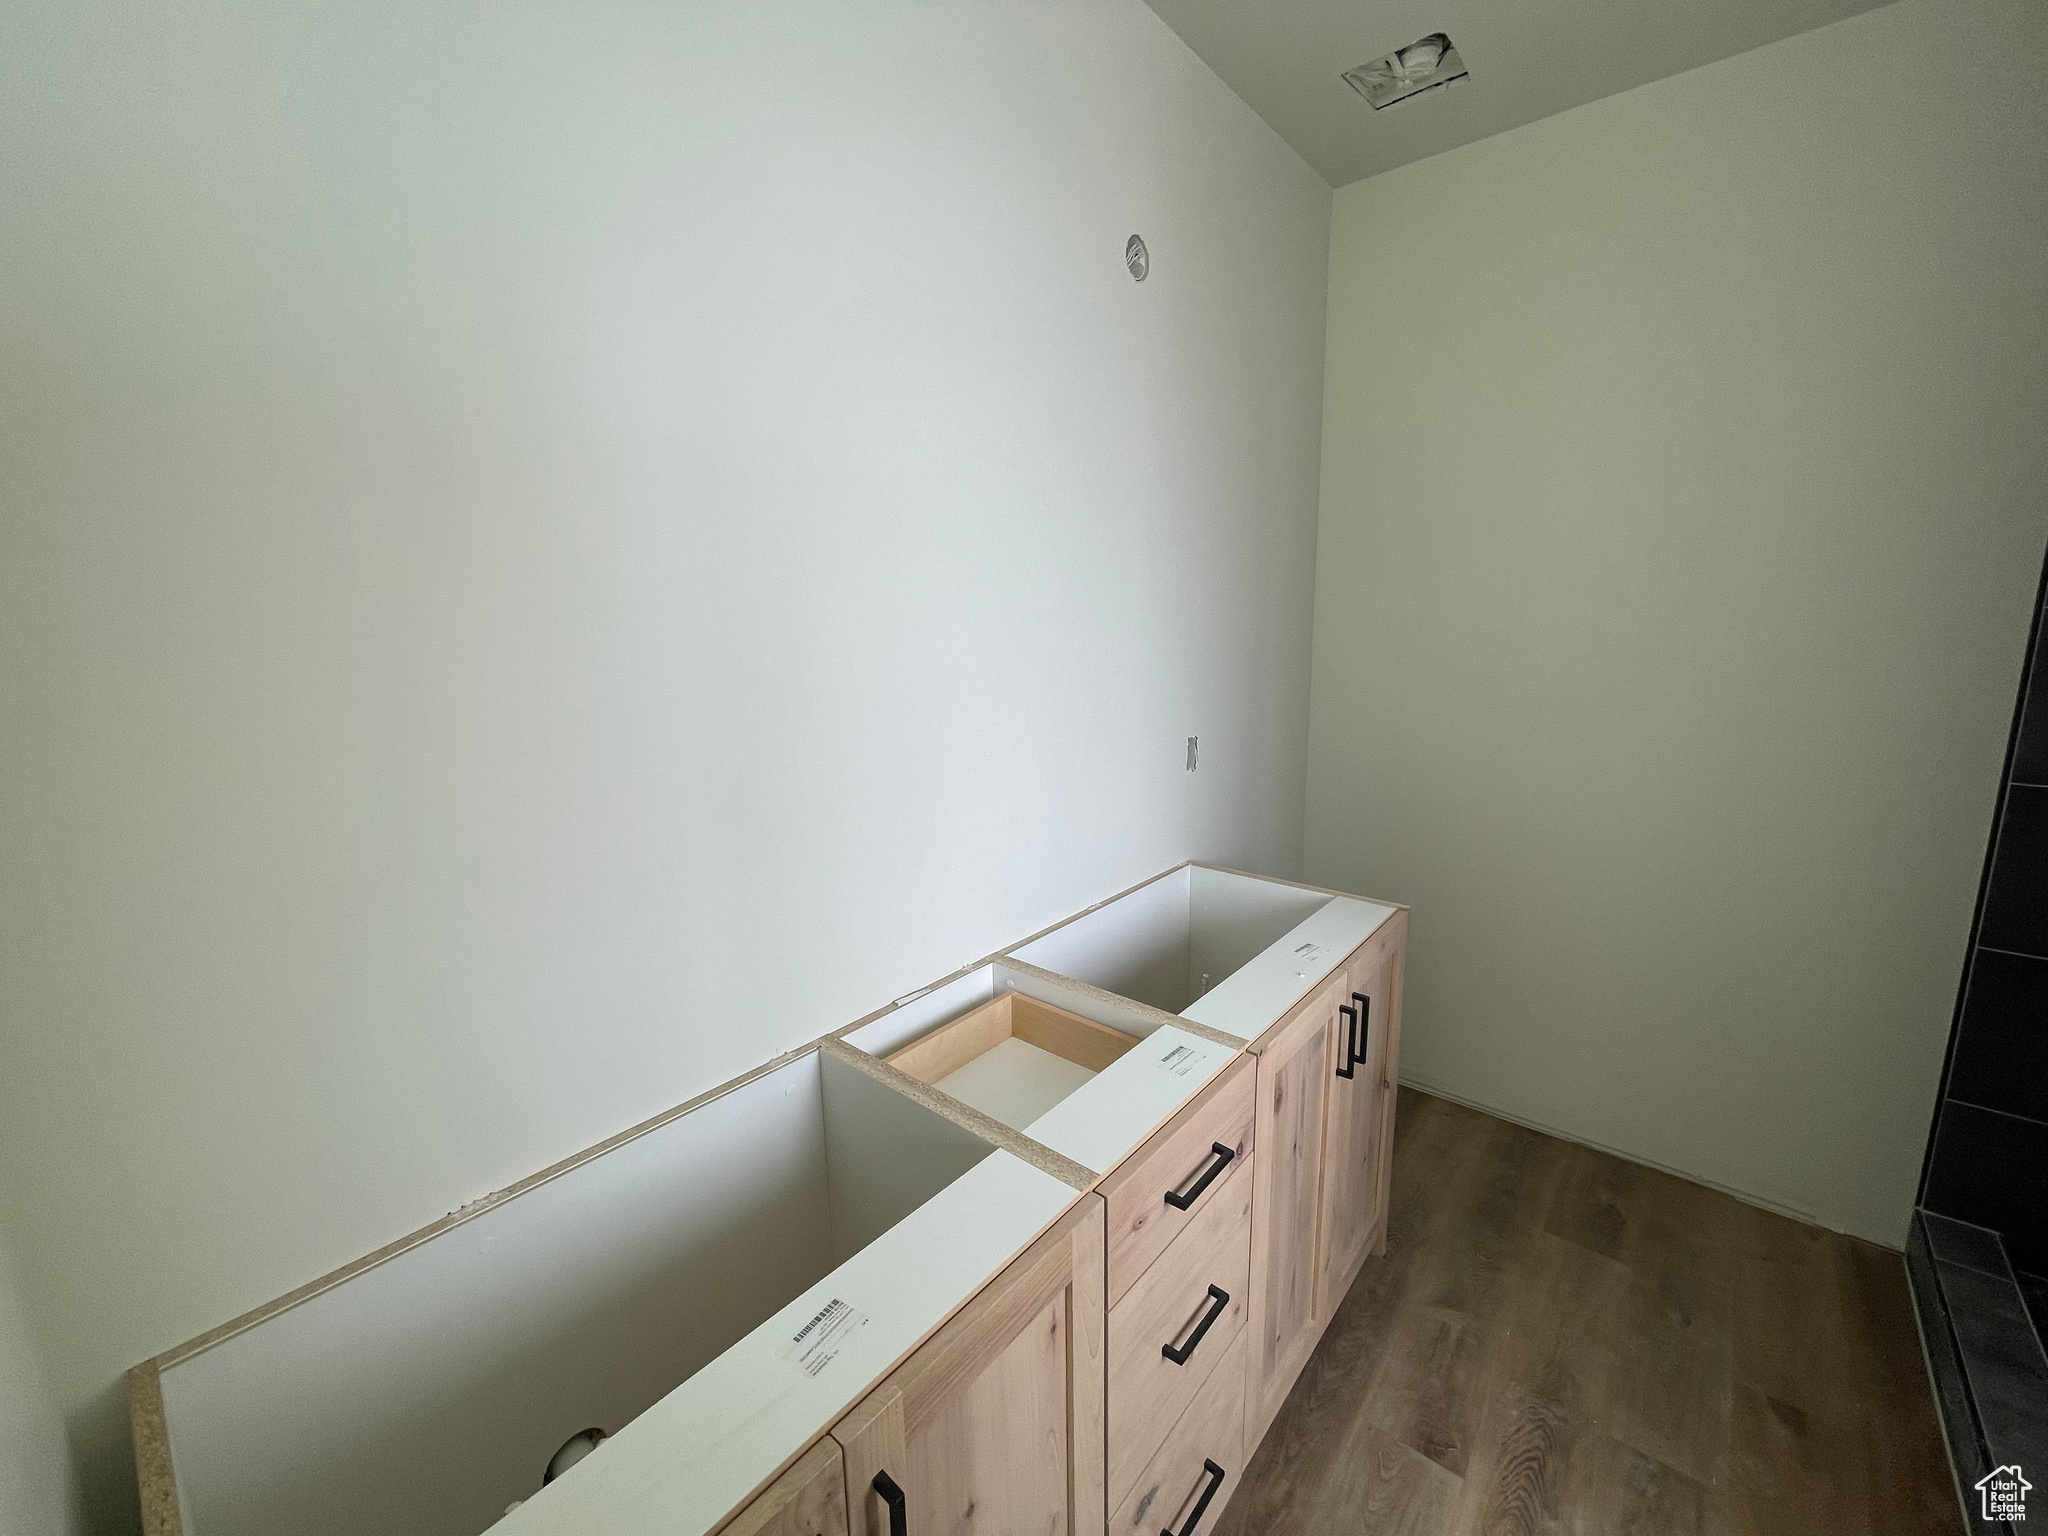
column 646, row 1288
column 1013, row 1058
column 1040, row 1247
column 995, row 1425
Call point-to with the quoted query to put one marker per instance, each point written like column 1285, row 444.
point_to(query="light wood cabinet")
column 1396, row 941
column 1324, row 1128
column 807, row 1500
column 1349, row 1223
column 995, row 1424
column 1294, row 1068
column 1189, row 1164
column 1169, row 1331
column 1201, row 1206
column 1191, row 1477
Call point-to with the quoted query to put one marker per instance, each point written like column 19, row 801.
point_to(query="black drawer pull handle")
column 1216, row 1476
column 1223, row 1155
column 1350, row 1033
column 1364, row 1024
column 899, row 1506
column 1219, row 1298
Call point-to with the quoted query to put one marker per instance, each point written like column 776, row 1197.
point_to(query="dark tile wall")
column 1987, row 1159
column 1985, row 1361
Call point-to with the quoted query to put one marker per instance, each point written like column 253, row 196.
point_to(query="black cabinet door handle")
column 1350, row 1033
column 1219, row 1298
column 1223, row 1155
column 1364, row 1025
column 1216, row 1476
column 899, row 1506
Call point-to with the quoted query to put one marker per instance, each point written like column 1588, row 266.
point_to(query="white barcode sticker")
column 818, row 1343
column 1181, row 1060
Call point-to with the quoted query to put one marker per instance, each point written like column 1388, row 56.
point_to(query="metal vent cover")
column 1424, row 65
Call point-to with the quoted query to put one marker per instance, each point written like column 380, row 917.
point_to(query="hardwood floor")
column 1563, row 1342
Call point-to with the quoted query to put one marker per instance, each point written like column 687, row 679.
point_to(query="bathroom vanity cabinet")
column 1040, row 1247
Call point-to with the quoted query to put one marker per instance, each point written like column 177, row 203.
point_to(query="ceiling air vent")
column 1408, row 72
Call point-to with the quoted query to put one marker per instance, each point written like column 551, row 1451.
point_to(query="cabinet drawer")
column 1174, row 1161
column 1208, row 1439
column 1192, row 1301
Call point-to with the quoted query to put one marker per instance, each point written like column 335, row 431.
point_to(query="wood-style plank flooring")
column 1559, row 1341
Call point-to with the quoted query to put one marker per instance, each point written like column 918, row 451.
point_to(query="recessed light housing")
column 1408, row 72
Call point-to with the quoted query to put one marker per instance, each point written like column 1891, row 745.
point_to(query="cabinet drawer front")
column 1177, row 1298
column 1211, row 1431
column 1173, row 1162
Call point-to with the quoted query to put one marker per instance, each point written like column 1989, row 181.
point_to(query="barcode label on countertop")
column 818, row 1343
column 1181, row 1060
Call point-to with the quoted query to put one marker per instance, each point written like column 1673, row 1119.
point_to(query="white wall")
column 1685, row 476
column 38, row 1496
column 555, row 551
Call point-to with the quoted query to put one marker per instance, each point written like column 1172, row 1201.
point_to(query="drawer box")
column 1048, row 1063
column 1180, row 1161
column 1013, row 1058
column 1192, row 1302
column 1198, row 1465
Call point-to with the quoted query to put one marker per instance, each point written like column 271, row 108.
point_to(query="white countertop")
column 1249, row 1000
column 1103, row 1122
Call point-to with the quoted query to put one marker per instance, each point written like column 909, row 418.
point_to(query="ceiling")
column 1528, row 59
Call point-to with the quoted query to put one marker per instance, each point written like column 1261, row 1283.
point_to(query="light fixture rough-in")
column 1408, row 72
column 1137, row 258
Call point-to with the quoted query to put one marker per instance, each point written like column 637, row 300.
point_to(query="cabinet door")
column 994, row 1425
column 1349, row 1228
column 807, row 1500
column 1293, row 1084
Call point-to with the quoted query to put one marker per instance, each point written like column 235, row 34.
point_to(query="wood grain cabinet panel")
column 1395, row 939
column 994, row 1425
column 1180, row 1159
column 807, row 1500
column 1194, row 1472
column 1169, row 1333
column 1294, row 1073
column 1349, row 1224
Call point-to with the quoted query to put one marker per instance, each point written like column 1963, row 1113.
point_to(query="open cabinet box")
column 1227, row 950
column 649, row 1288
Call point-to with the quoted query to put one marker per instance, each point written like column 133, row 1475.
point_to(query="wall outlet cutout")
column 1194, row 752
